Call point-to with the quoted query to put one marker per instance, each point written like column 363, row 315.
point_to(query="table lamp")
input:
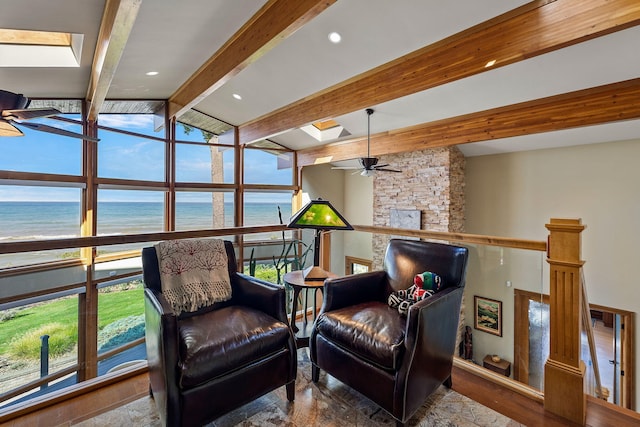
column 319, row 215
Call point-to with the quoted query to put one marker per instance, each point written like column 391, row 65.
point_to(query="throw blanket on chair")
column 193, row 273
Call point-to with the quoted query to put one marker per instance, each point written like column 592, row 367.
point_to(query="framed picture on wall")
column 488, row 315
column 405, row 218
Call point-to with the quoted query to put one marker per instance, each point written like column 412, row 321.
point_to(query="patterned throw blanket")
column 193, row 273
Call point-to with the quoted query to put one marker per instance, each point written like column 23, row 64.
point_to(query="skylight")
column 23, row 48
column 325, row 130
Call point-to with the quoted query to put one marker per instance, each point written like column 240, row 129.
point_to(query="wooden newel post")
column 564, row 371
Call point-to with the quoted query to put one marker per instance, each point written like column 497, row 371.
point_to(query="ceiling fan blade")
column 29, row 114
column 57, row 131
column 387, row 170
column 7, row 129
column 346, row 167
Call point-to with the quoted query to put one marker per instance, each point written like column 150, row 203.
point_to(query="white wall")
column 516, row 194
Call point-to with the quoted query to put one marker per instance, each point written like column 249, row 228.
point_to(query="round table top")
column 295, row 278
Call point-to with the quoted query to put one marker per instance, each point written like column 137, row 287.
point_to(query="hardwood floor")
column 531, row 413
column 513, row 405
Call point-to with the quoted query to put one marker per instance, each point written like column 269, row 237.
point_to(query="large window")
column 204, row 163
column 35, row 339
column 268, row 166
column 42, row 151
column 36, row 213
column 120, row 322
column 202, row 210
column 127, row 156
column 141, row 183
column 267, row 208
column 129, row 212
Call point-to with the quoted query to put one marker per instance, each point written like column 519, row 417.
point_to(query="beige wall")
column 358, row 211
column 352, row 195
column 515, row 194
column 321, row 181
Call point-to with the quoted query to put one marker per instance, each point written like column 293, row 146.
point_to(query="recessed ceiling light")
column 152, row 73
column 335, row 37
column 236, row 96
column 490, row 63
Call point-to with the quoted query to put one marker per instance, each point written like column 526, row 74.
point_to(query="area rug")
column 326, row 403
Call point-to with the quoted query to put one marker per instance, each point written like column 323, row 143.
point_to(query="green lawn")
column 111, row 307
column 24, row 327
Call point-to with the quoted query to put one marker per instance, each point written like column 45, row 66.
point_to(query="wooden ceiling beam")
column 603, row 104
column 118, row 18
column 533, row 29
column 273, row 23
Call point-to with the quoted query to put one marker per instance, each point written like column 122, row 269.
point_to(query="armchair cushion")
column 372, row 330
column 225, row 340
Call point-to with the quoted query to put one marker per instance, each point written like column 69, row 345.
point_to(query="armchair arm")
column 430, row 338
column 161, row 330
column 354, row 289
column 261, row 295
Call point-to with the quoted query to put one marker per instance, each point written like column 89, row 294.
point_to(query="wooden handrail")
column 601, row 392
column 81, row 242
column 85, row 242
column 507, row 242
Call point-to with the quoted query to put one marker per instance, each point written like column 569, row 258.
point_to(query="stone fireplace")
column 431, row 181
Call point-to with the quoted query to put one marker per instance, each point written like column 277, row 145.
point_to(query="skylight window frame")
column 30, row 48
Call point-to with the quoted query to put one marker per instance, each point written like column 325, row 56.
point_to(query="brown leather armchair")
column 395, row 361
column 206, row 363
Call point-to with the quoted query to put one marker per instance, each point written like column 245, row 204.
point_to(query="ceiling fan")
column 14, row 114
column 368, row 165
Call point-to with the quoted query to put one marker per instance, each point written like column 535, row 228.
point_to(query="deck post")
column 564, row 371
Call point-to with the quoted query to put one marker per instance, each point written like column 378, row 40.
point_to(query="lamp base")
column 314, row 273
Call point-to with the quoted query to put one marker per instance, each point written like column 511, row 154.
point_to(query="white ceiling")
column 176, row 38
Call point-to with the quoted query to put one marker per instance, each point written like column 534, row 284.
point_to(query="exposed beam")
column 603, row 104
column 273, row 23
column 533, row 29
column 118, row 18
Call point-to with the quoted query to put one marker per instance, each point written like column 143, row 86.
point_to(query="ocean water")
column 55, row 220
column 28, row 221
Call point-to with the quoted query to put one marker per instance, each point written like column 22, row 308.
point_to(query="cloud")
column 128, row 121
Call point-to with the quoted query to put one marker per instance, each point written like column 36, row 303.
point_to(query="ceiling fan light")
column 366, row 172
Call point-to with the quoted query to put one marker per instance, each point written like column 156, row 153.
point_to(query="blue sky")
column 126, row 157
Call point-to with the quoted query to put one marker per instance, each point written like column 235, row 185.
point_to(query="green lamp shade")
column 320, row 215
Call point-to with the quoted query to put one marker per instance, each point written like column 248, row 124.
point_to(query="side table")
column 296, row 281
column 502, row 366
